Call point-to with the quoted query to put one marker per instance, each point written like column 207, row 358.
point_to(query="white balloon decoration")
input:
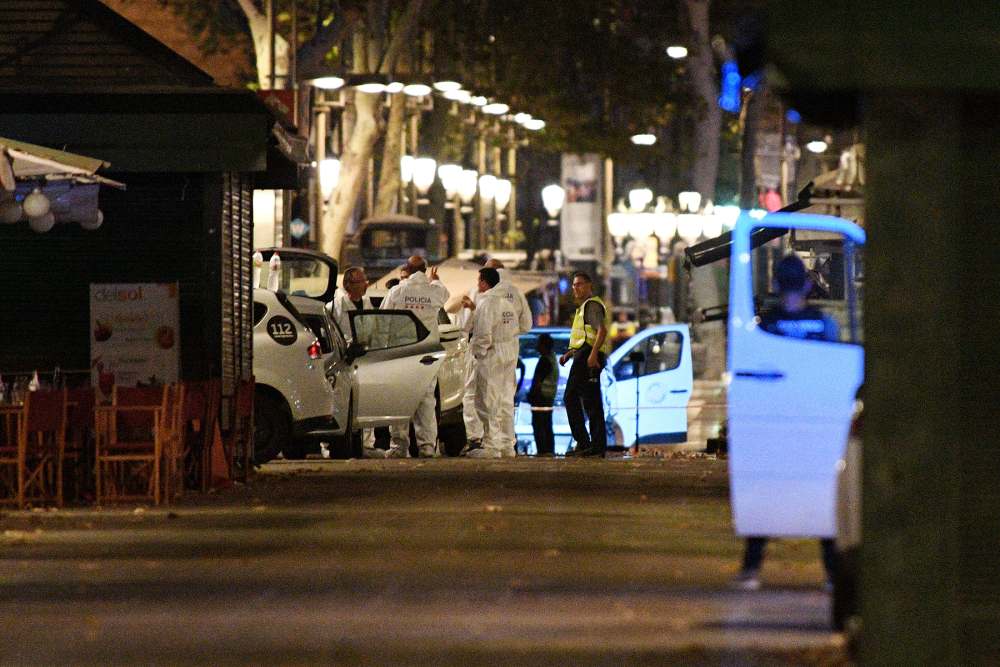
column 42, row 223
column 10, row 212
column 94, row 222
column 36, row 205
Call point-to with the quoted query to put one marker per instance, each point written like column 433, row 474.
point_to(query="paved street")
column 444, row 562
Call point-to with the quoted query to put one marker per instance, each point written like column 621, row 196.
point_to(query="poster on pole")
column 134, row 334
column 580, row 228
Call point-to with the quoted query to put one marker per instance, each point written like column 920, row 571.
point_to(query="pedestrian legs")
column 541, row 424
column 584, row 403
column 424, row 426
column 473, row 425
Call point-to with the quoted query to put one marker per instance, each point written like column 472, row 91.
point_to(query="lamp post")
column 553, row 198
column 424, row 169
column 451, row 175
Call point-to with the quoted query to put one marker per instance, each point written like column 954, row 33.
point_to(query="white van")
column 790, row 400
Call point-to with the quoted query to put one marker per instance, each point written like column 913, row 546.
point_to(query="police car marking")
column 281, row 330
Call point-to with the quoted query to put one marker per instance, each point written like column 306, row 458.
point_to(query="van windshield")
column 393, row 243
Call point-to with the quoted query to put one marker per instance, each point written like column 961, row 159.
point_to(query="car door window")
column 833, row 307
column 385, row 330
column 659, row 352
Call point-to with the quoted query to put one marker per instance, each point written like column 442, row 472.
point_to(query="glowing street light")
column 817, row 146
column 677, row 52
column 406, row 168
column 639, row 199
column 501, row 197
column 329, row 176
column 644, row 139
column 450, row 175
column 553, row 198
column 424, row 169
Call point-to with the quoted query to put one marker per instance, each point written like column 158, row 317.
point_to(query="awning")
column 461, row 276
column 28, row 161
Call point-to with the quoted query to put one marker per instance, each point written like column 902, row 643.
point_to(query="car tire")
column 844, row 599
column 272, row 428
column 348, row 445
column 297, row 449
column 452, row 437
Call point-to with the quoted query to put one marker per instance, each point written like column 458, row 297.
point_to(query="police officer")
column 348, row 298
column 514, row 297
column 588, row 347
column 425, row 296
column 542, row 396
column 795, row 318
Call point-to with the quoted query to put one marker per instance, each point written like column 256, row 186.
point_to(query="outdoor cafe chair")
column 130, row 438
column 79, row 453
column 31, row 467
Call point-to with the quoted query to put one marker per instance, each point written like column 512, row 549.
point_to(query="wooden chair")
column 79, row 454
column 172, row 427
column 240, row 450
column 10, row 427
column 129, row 448
column 41, row 444
column 213, row 402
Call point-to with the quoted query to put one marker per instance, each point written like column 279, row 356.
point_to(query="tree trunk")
column 389, row 183
column 353, row 165
column 259, row 28
column 709, row 127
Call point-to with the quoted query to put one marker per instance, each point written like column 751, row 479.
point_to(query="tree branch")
column 311, row 54
column 400, row 40
column 251, row 9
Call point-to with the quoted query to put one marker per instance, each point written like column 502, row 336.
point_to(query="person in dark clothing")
column 792, row 317
column 542, row 396
column 588, row 347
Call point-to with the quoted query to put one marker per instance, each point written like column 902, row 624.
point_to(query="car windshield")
column 529, row 343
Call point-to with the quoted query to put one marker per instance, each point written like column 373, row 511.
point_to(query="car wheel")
column 343, row 446
column 272, row 428
column 452, row 438
column 297, row 449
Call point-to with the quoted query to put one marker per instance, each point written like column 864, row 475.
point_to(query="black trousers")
column 584, row 402
column 541, row 424
column 753, row 556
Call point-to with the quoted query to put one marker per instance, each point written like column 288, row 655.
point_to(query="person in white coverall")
column 495, row 346
column 473, row 425
column 425, row 296
column 346, row 299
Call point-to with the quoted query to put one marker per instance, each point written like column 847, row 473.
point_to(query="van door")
column 651, row 371
column 400, row 365
column 790, row 398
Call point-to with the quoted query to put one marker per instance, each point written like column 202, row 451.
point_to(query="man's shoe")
column 746, row 580
column 483, row 453
column 428, row 451
column 397, row 453
column 373, row 453
column 470, row 445
column 588, row 452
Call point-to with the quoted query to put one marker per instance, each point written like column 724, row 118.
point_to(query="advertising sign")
column 580, row 229
column 134, row 334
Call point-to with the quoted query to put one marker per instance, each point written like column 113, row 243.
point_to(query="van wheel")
column 272, row 428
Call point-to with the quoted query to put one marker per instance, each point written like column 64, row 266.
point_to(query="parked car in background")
column 384, row 242
column 646, row 385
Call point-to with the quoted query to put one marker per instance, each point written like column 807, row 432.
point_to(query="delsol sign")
column 134, row 334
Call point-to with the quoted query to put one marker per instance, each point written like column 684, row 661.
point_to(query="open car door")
column 651, row 370
column 790, row 398
column 400, row 363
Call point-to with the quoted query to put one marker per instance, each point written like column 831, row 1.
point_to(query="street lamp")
column 639, row 199
column 423, row 177
column 468, row 182
column 487, row 187
column 501, row 197
column 416, row 89
column 553, row 198
column 406, row 168
column 534, row 124
column 450, row 175
column 329, row 176
column 690, row 201
column 460, row 96
column 644, row 139
column 677, row 52
column 496, row 109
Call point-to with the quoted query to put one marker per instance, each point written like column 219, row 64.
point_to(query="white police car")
column 646, row 386
column 366, row 385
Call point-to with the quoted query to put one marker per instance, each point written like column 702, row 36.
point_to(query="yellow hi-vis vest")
column 584, row 333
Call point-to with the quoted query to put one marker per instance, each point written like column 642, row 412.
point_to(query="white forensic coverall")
column 498, row 323
column 339, row 309
column 425, row 298
column 473, row 425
